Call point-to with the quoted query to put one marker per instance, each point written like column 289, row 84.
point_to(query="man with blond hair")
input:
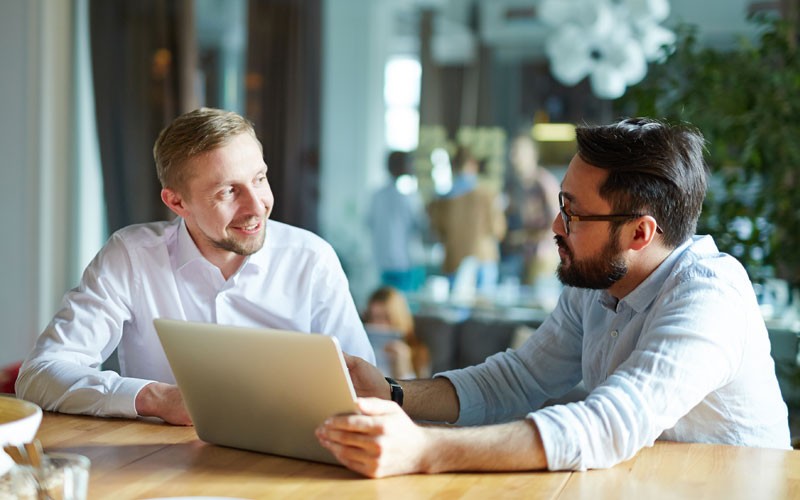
column 221, row 260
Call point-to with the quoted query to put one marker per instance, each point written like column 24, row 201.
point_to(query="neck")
column 641, row 264
column 229, row 265
column 226, row 261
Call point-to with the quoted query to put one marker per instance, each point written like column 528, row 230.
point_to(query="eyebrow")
column 229, row 182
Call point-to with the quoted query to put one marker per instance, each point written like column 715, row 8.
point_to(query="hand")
column 398, row 353
column 381, row 441
column 164, row 401
column 367, row 380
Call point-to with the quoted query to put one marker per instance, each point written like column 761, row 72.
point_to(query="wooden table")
column 138, row 459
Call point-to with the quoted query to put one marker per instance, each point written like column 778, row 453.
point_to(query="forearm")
column 433, row 400
column 381, row 440
column 503, row 447
column 58, row 385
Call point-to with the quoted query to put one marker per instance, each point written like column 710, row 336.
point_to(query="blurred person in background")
column 390, row 326
column 527, row 249
column 398, row 223
column 469, row 222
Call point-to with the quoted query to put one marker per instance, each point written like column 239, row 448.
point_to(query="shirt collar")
column 260, row 259
column 641, row 296
column 187, row 251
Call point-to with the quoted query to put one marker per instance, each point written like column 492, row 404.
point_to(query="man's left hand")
column 381, row 441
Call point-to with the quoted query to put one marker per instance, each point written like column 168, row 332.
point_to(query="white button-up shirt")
column 683, row 357
column 295, row 282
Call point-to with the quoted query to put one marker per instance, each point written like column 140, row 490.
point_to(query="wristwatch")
column 396, row 391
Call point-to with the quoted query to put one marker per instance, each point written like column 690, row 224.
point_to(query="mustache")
column 562, row 244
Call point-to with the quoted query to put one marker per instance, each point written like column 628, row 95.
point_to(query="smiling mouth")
column 249, row 229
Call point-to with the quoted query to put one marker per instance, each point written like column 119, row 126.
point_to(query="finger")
column 377, row 406
column 354, row 423
column 350, row 360
column 353, row 458
column 346, row 445
column 368, row 443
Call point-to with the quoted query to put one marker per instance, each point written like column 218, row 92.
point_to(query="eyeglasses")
column 567, row 218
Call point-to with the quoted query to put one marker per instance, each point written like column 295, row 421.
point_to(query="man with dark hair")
column 221, row 260
column 663, row 329
column 399, row 164
column 398, row 223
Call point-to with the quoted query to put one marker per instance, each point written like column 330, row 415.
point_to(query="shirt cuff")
column 122, row 402
column 472, row 410
column 561, row 447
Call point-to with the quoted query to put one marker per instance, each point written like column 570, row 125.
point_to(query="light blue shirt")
column 397, row 222
column 462, row 184
column 683, row 357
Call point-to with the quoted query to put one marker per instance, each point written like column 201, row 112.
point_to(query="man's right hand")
column 367, row 380
column 427, row 399
column 164, row 401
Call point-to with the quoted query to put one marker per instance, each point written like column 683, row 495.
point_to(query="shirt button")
column 614, row 333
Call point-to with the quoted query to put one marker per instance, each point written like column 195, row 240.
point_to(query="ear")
column 174, row 201
column 644, row 232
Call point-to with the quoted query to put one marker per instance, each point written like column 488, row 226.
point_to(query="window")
column 401, row 97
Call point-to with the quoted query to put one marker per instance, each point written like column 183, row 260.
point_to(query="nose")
column 255, row 201
column 558, row 225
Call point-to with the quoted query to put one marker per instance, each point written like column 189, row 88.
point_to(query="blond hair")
column 192, row 134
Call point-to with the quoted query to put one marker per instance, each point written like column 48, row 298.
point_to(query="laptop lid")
column 256, row 388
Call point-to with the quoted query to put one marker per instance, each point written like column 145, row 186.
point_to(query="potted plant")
column 746, row 101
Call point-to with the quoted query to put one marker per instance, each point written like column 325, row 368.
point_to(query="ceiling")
column 513, row 30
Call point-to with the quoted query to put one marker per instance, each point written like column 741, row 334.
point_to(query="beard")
column 244, row 246
column 597, row 272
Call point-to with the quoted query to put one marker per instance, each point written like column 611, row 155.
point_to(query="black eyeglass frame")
column 567, row 218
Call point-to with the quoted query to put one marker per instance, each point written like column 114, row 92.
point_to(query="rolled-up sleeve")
column 510, row 384
column 693, row 346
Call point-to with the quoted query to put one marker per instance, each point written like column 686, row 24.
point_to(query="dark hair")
column 654, row 168
column 398, row 163
column 461, row 157
column 192, row 134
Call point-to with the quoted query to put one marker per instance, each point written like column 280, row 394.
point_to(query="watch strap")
column 396, row 391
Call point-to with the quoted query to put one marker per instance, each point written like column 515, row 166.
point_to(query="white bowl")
column 19, row 421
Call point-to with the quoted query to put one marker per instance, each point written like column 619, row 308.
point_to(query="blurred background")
column 334, row 86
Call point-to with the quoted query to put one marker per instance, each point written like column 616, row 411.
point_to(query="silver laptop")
column 258, row 389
